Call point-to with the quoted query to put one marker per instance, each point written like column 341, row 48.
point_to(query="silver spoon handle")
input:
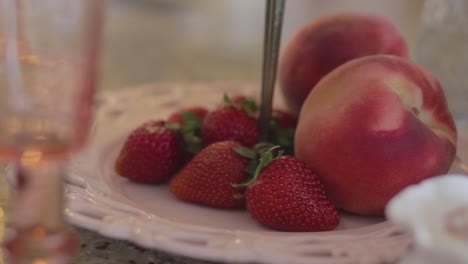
column 271, row 46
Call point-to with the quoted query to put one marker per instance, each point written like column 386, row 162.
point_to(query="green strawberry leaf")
column 228, row 100
column 246, row 152
column 173, row 126
column 191, row 119
column 251, row 167
column 283, row 137
column 249, row 106
column 249, row 153
column 265, row 159
column 263, row 147
column 238, row 196
column 190, row 132
column 193, row 144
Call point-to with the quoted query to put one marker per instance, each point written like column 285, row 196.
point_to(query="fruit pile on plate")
column 364, row 122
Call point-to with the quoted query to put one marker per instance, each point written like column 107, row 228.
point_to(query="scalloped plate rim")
column 133, row 229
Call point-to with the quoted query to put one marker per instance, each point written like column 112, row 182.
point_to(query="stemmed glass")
column 48, row 59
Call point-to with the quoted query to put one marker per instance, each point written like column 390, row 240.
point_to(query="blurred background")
column 148, row 41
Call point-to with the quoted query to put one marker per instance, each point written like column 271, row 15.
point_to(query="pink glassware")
column 48, row 59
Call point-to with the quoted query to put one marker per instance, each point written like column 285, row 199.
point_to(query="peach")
column 372, row 127
column 326, row 43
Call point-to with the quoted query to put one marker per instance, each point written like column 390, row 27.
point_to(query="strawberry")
column 284, row 119
column 152, row 153
column 237, row 100
column 207, row 178
column 188, row 123
column 231, row 122
column 283, row 127
column 287, row 195
column 180, row 116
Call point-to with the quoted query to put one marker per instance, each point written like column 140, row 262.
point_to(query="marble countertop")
column 96, row 249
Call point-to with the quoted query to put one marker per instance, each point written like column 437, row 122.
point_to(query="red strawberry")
column 178, row 117
column 283, row 127
column 207, row 178
column 288, row 196
column 231, row 122
column 188, row 123
column 236, row 100
column 284, row 119
column 151, row 154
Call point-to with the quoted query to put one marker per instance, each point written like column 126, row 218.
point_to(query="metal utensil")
column 271, row 45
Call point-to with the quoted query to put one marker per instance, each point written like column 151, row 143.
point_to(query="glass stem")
column 41, row 235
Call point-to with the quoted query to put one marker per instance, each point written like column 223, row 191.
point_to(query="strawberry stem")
column 191, row 119
column 238, row 196
column 246, row 152
column 173, row 126
column 263, row 147
column 228, row 100
column 189, row 131
column 251, row 167
column 265, row 159
column 248, row 105
column 282, row 136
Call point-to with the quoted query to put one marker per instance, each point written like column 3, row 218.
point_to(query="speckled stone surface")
column 96, row 249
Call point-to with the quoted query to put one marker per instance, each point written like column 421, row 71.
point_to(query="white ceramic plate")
column 150, row 216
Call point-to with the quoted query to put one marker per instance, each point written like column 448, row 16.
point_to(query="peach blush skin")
column 372, row 127
column 326, row 43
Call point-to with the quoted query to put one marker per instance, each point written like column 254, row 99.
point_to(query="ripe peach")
column 372, row 127
column 326, row 43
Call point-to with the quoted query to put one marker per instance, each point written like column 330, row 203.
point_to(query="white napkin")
column 435, row 212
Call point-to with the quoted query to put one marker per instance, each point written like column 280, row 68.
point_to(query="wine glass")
column 48, row 60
